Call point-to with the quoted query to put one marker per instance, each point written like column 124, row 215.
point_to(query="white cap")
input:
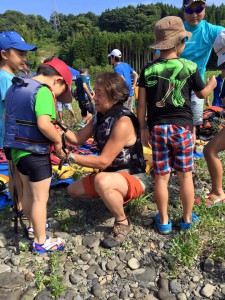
column 219, row 47
column 115, row 52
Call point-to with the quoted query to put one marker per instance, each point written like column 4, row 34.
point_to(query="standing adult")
column 84, row 96
column 199, row 47
column 125, row 70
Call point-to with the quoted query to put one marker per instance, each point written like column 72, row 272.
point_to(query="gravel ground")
column 139, row 269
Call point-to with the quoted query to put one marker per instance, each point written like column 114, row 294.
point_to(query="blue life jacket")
column 21, row 130
column 130, row 158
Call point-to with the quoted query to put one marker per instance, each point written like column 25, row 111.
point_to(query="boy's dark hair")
column 47, row 70
column 83, row 70
column 117, row 59
column 114, row 85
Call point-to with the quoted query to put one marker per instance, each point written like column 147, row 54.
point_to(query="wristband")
column 64, row 128
column 72, row 159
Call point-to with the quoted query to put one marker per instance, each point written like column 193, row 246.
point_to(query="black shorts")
column 36, row 166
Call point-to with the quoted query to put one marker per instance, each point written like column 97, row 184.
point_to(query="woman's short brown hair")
column 114, row 85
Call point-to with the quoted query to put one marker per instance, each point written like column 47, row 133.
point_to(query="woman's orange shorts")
column 135, row 188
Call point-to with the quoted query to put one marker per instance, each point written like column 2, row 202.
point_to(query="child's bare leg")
column 186, row 194
column 38, row 212
column 35, row 206
column 215, row 167
column 161, row 196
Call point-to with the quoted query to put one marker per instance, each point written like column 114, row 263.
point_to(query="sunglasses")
column 197, row 10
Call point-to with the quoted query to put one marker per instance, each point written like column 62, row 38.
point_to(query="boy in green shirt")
column 30, row 110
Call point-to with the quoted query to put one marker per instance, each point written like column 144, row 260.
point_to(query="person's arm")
column 85, row 87
column 210, row 85
column 123, row 134
column 141, row 116
column 81, row 136
column 141, row 108
column 48, row 130
column 135, row 78
column 45, row 113
column 207, row 101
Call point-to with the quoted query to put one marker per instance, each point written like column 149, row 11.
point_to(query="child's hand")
column 58, row 150
column 212, row 81
column 145, row 137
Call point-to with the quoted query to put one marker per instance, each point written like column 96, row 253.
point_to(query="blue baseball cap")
column 12, row 39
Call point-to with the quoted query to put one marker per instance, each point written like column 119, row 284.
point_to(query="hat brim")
column 194, row 2
column 171, row 42
column 25, row 47
column 221, row 60
column 65, row 97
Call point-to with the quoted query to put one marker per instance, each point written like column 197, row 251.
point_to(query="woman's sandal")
column 30, row 230
column 49, row 246
column 118, row 235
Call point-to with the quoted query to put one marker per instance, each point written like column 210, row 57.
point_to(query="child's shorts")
column 172, row 147
column 36, row 166
column 59, row 106
column 136, row 185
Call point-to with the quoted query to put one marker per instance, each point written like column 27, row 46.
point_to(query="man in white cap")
column 217, row 144
column 199, row 47
column 125, row 70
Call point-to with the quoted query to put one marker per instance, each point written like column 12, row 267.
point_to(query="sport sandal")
column 49, row 246
column 30, row 230
column 19, row 215
column 186, row 226
column 118, row 235
column 163, row 228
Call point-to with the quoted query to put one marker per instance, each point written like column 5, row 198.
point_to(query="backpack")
column 213, row 122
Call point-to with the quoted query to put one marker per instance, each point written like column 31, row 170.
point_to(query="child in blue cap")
column 13, row 50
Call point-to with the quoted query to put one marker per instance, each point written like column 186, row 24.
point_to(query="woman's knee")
column 102, row 182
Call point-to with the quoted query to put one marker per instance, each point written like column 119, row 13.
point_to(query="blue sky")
column 45, row 7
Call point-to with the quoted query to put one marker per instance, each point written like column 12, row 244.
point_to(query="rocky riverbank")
column 140, row 269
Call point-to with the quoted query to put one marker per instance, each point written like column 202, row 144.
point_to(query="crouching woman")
column 120, row 161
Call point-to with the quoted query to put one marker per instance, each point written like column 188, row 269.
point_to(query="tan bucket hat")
column 169, row 32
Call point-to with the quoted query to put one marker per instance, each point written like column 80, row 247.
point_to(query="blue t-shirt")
column 125, row 70
column 199, row 47
column 5, row 83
